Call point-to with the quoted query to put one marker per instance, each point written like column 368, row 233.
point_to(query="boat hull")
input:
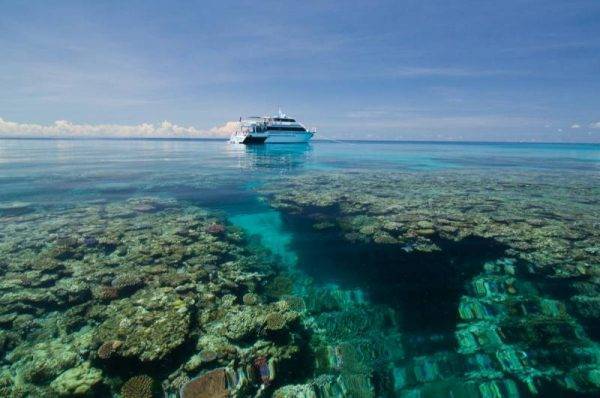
column 293, row 137
column 280, row 137
column 248, row 138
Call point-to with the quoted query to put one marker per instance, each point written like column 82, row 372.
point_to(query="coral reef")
column 549, row 222
column 149, row 327
column 100, row 290
column 78, row 381
column 215, row 229
column 525, row 320
column 127, row 282
column 94, row 293
column 106, row 293
column 108, row 349
column 212, row 384
column 138, row 387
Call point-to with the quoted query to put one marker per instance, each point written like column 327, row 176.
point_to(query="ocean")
column 198, row 268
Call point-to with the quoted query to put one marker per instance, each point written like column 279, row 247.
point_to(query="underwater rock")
column 77, row 381
column 138, row 387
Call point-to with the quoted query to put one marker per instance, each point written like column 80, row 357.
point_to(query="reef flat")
column 137, row 298
column 513, row 258
column 199, row 270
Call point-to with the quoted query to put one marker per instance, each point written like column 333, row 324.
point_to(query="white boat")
column 279, row 129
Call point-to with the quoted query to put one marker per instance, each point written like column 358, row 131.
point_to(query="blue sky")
column 472, row 70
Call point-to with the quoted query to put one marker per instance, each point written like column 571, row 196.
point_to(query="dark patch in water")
column 224, row 197
column 425, row 288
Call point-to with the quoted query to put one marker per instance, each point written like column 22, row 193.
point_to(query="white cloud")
column 575, row 126
column 63, row 128
column 595, row 125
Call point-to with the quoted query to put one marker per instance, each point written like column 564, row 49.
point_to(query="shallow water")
column 330, row 269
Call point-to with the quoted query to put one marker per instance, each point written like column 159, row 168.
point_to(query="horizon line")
column 327, row 141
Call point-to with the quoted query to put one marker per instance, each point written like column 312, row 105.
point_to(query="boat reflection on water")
column 283, row 157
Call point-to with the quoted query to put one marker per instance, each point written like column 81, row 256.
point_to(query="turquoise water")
column 68, row 169
column 350, row 269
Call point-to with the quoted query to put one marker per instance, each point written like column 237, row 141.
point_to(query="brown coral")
column 108, row 348
column 128, row 282
column 215, row 229
column 274, row 321
column 106, row 293
column 209, row 385
column 138, row 387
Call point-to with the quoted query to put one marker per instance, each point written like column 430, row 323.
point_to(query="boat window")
column 286, row 128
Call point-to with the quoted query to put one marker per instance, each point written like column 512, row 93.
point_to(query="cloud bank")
column 63, row 128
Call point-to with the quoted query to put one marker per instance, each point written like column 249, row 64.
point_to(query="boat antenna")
column 281, row 114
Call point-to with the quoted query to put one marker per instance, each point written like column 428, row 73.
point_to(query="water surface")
column 347, row 269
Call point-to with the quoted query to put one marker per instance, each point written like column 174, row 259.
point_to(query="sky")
column 512, row 70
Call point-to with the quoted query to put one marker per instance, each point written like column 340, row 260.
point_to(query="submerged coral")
column 150, row 326
column 515, row 333
column 94, row 293
column 77, row 382
column 212, row 384
column 108, row 349
column 138, row 387
column 155, row 278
